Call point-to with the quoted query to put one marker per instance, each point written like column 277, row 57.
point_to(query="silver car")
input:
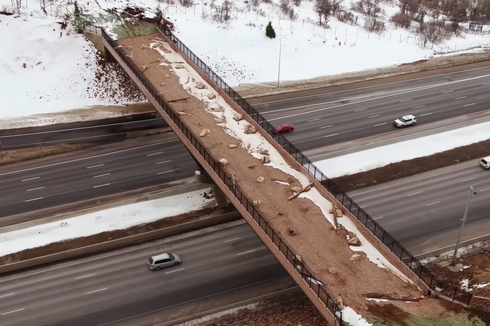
column 163, row 260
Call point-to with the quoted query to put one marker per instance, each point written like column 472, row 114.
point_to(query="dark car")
column 284, row 128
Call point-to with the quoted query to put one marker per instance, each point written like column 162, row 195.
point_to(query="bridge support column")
column 202, row 177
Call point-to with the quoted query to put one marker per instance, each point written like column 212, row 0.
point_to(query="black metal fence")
column 455, row 293
column 212, row 162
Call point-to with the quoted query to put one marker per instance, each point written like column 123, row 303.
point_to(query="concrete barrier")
column 200, row 223
column 53, row 214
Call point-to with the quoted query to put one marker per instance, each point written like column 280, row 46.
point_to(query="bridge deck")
column 324, row 250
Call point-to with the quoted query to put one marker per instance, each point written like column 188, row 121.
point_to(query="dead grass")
column 412, row 167
column 58, row 247
column 21, row 155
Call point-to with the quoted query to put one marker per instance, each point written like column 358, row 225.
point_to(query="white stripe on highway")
column 11, row 312
column 405, row 100
column 94, row 166
column 164, row 172
column 156, row 153
column 163, row 162
column 331, row 135
column 101, row 175
column 33, row 199
column 380, row 124
column 359, row 110
column 459, row 98
column 445, row 92
column 175, row 270
column 467, row 179
column 35, row 188
column 363, row 206
column 414, row 193
column 7, row 295
column 374, row 116
column 326, row 127
column 99, row 290
column 418, row 106
column 430, row 204
column 226, row 241
column 486, row 84
column 468, row 104
column 378, row 218
column 485, row 189
column 246, row 252
column 311, row 120
column 367, row 192
column 105, row 184
column 85, row 276
column 424, row 114
column 30, row 179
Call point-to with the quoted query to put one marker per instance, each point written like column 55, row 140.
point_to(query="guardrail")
column 300, row 267
column 454, row 293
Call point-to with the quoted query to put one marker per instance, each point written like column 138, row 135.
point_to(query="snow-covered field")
column 418, row 147
column 45, row 69
column 117, row 218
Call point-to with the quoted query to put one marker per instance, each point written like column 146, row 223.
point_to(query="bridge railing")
column 455, row 293
column 212, row 162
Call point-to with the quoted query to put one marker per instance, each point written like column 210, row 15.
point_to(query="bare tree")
column 284, row 6
column 297, row 3
column 374, row 24
column 369, row 7
column 187, row 3
column 223, row 13
column 324, row 10
column 255, row 3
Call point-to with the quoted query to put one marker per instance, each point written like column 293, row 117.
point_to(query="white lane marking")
column 331, row 135
column 163, row 162
column 164, row 172
column 226, row 241
column 468, row 179
column 378, row 218
column 430, row 204
column 445, row 92
column 326, row 127
column 84, row 276
column 95, row 291
column 359, row 110
column 175, row 270
column 380, row 124
column 34, row 178
column 374, row 116
column 88, row 157
column 94, row 166
column 11, row 312
column 101, row 175
column 485, row 189
column 105, row 184
column 486, row 84
column 245, row 252
column 414, row 193
column 35, row 188
column 363, row 206
column 156, row 153
column 367, row 192
column 33, row 199
column 424, row 114
column 405, row 100
column 459, row 98
column 418, row 106
column 7, row 295
column 468, row 104
column 311, row 120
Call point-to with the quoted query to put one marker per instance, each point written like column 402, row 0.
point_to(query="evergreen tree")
column 77, row 9
column 269, row 31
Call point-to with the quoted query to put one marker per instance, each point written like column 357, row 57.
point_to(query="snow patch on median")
column 117, row 218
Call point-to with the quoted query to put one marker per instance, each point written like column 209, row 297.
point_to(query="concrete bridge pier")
column 202, row 177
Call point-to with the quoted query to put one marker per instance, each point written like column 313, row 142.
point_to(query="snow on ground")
column 352, row 318
column 117, row 218
column 256, row 144
column 418, row 147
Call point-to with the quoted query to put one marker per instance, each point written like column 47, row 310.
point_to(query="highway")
column 106, row 288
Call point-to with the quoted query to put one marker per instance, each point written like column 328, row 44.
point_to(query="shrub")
column 401, row 20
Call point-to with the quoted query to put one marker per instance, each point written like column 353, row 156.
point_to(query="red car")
column 284, row 128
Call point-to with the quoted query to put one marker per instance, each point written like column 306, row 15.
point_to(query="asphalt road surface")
column 106, row 288
column 424, row 212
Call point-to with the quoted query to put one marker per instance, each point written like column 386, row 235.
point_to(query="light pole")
column 279, row 68
column 455, row 255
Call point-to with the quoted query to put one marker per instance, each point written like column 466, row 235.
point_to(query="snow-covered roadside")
column 419, row 147
column 117, row 218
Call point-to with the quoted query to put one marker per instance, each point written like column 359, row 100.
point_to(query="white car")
column 406, row 120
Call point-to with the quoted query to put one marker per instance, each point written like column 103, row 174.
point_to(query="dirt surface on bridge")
column 325, row 251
